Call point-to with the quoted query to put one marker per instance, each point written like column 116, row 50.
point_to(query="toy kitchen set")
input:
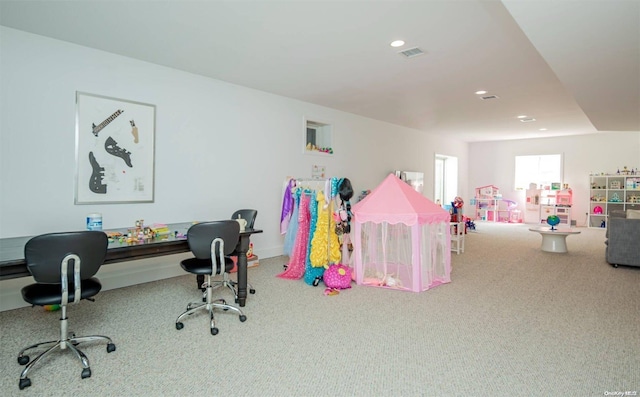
column 543, row 201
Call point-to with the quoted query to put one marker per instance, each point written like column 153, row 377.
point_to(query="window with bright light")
column 446, row 178
column 538, row 169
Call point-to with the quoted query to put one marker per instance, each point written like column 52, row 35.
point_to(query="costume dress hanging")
column 292, row 229
column 311, row 274
column 287, row 207
column 325, row 248
column 296, row 266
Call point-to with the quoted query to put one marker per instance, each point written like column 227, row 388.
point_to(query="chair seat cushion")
column 51, row 294
column 203, row 266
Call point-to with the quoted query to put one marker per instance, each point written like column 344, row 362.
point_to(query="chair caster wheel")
column 252, row 291
column 86, row 373
column 214, row 331
column 26, row 382
column 23, row 360
column 179, row 326
column 243, row 318
column 111, row 347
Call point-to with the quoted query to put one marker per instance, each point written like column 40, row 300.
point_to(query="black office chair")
column 250, row 216
column 211, row 243
column 63, row 266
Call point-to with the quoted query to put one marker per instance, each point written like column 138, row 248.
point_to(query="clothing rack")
column 311, row 186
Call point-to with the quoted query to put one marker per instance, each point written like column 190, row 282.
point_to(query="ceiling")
column 574, row 66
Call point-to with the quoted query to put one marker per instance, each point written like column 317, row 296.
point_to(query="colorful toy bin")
column 402, row 240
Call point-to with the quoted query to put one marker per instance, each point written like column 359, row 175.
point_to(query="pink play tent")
column 401, row 240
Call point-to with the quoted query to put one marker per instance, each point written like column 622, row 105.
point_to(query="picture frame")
column 115, row 150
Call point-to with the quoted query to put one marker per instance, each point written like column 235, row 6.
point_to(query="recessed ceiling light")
column 522, row 116
column 542, row 129
column 397, row 43
column 481, row 92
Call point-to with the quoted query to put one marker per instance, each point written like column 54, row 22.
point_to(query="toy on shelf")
column 310, row 147
column 626, row 171
column 456, row 209
column 615, row 198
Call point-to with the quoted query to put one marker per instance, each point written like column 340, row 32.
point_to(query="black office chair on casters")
column 250, row 216
column 63, row 266
column 211, row 244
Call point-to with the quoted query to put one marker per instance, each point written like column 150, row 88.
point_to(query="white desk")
column 554, row 240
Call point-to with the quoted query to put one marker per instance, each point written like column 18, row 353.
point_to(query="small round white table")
column 554, row 240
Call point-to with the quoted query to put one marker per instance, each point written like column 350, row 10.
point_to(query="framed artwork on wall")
column 115, row 145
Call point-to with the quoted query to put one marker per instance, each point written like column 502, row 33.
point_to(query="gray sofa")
column 623, row 240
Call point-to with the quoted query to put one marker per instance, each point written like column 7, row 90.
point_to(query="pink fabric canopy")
column 394, row 201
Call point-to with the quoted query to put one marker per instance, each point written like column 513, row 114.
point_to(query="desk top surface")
column 12, row 249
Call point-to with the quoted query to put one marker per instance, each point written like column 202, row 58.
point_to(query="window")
column 446, row 179
column 539, row 169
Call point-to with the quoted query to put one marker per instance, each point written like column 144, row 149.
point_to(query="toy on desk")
column 141, row 232
column 160, row 229
column 113, row 236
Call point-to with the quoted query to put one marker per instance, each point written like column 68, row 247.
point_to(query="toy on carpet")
column 51, row 308
column 471, row 225
column 331, row 291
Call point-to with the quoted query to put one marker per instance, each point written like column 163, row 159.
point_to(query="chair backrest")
column 44, row 254
column 247, row 214
column 201, row 235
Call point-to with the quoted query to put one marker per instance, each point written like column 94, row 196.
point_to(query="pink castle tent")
column 401, row 240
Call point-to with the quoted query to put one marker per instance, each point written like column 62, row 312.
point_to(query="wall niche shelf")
column 318, row 139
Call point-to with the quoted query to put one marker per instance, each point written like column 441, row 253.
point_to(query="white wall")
column 492, row 163
column 219, row 146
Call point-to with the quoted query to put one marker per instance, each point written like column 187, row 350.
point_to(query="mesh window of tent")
column 401, row 239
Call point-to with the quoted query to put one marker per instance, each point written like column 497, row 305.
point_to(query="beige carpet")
column 514, row 321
